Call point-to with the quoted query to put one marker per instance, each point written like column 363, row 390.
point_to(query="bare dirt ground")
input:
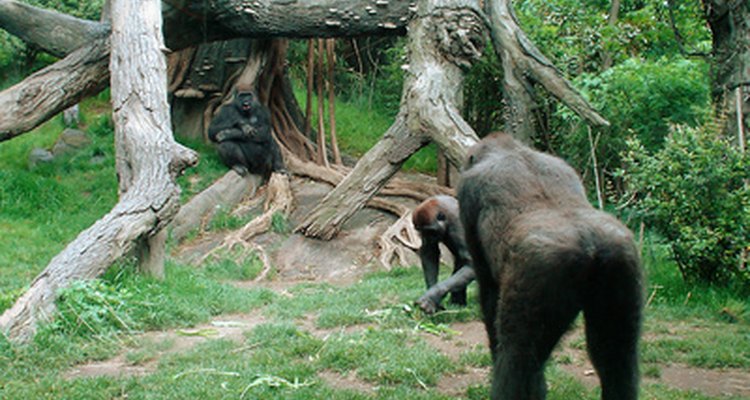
column 344, row 261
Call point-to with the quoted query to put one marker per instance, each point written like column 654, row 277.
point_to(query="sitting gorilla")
column 242, row 131
column 437, row 221
column 542, row 254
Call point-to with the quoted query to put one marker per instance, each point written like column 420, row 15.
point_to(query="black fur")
column 242, row 131
column 542, row 254
column 437, row 221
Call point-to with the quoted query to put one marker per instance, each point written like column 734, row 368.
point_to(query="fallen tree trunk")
column 225, row 192
column 148, row 162
column 56, row 33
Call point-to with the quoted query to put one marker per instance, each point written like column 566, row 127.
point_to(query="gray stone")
column 70, row 140
column 39, row 155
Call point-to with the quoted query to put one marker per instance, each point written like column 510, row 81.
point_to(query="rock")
column 39, row 155
column 71, row 116
column 70, row 140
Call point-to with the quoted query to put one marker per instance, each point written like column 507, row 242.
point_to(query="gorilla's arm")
column 224, row 125
column 429, row 254
column 430, row 300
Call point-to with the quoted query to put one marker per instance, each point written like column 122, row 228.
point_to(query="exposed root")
column 264, row 259
column 279, row 200
column 396, row 240
column 334, row 174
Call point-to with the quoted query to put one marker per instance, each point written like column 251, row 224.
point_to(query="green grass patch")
column 359, row 126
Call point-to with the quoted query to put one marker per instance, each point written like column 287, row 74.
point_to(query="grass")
column 359, row 125
column 367, row 330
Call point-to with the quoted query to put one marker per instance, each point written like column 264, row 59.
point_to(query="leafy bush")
column 483, row 93
column 695, row 192
column 640, row 99
column 93, row 307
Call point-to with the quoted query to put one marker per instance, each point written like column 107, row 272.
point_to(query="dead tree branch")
column 149, row 161
column 522, row 59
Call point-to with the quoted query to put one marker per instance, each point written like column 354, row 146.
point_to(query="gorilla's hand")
column 247, row 130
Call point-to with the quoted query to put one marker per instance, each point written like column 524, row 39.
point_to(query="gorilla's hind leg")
column 613, row 322
column 531, row 319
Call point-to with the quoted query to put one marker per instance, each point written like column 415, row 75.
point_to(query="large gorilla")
column 242, row 131
column 437, row 221
column 542, row 254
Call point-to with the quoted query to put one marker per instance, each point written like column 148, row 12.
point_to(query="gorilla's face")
column 245, row 102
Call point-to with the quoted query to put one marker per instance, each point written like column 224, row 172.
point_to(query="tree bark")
column 190, row 21
column 521, row 61
column 445, row 39
column 148, row 162
column 56, row 33
column 729, row 22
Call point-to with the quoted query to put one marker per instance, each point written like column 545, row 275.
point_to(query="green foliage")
column 483, row 93
column 45, row 207
column 576, row 35
column 694, row 191
column 280, row 223
column 640, row 99
column 93, row 308
column 237, row 264
column 88, row 9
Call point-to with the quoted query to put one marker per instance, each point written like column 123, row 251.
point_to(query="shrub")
column 695, row 192
column 640, row 99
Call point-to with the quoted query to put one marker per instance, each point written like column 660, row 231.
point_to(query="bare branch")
column 510, row 41
column 56, row 33
column 51, row 90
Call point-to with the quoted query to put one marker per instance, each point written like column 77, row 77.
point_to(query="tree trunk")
column 730, row 27
column 148, row 161
column 522, row 61
column 430, row 102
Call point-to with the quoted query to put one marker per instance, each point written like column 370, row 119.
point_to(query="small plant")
column 695, row 192
column 94, row 308
column 280, row 223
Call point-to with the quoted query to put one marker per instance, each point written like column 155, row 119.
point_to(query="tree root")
column 279, row 200
column 397, row 187
column 396, row 240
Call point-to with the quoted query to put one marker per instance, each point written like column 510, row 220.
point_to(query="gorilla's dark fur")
column 542, row 254
column 242, row 131
column 437, row 221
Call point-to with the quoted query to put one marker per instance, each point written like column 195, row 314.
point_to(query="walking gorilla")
column 242, row 131
column 437, row 221
column 542, row 254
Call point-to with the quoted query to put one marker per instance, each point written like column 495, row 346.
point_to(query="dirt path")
column 469, row 335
